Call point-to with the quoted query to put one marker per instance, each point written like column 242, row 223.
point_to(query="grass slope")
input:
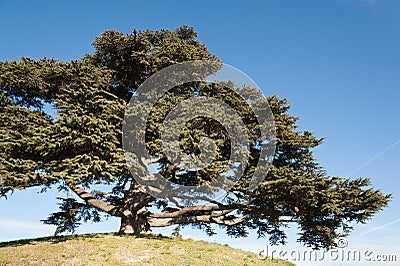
column 113, row 249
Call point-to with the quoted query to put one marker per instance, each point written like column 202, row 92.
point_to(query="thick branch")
column 136, row 197
column 198, row 209
column 90, row 199
column 202, row 214
column 195, row 219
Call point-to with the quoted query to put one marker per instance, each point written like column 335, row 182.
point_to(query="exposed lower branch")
column 92, row 200
column 198, row 209
column 196, row 219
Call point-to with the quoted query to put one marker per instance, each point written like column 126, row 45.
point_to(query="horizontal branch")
column 215, row 214
column 92, row 200
column 198, row 209
column 196, row 219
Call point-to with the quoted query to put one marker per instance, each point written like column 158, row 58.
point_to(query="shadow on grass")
column 58, row 239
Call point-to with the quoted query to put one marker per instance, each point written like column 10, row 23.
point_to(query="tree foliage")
column 79, row 147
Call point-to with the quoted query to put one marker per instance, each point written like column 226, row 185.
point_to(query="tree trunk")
column 126, row 226
column 134, row 223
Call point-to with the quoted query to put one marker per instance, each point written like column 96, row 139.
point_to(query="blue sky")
column 337, row 61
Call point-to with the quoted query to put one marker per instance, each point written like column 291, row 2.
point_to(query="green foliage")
column 71, row 214
column 80, row 146
column 177, row 232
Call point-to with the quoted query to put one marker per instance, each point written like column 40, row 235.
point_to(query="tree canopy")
column 79, row 148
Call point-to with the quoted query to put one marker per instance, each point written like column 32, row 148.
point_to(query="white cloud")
column 366, row 232
column 19, row 224
column 16, row 229
column 14, row 224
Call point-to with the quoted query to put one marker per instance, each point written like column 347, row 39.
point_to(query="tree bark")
column 126, row 226
column 134, row 223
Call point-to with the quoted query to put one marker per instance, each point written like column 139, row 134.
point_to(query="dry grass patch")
column 113, row 249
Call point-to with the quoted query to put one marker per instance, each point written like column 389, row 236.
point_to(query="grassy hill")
column 113, row 249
